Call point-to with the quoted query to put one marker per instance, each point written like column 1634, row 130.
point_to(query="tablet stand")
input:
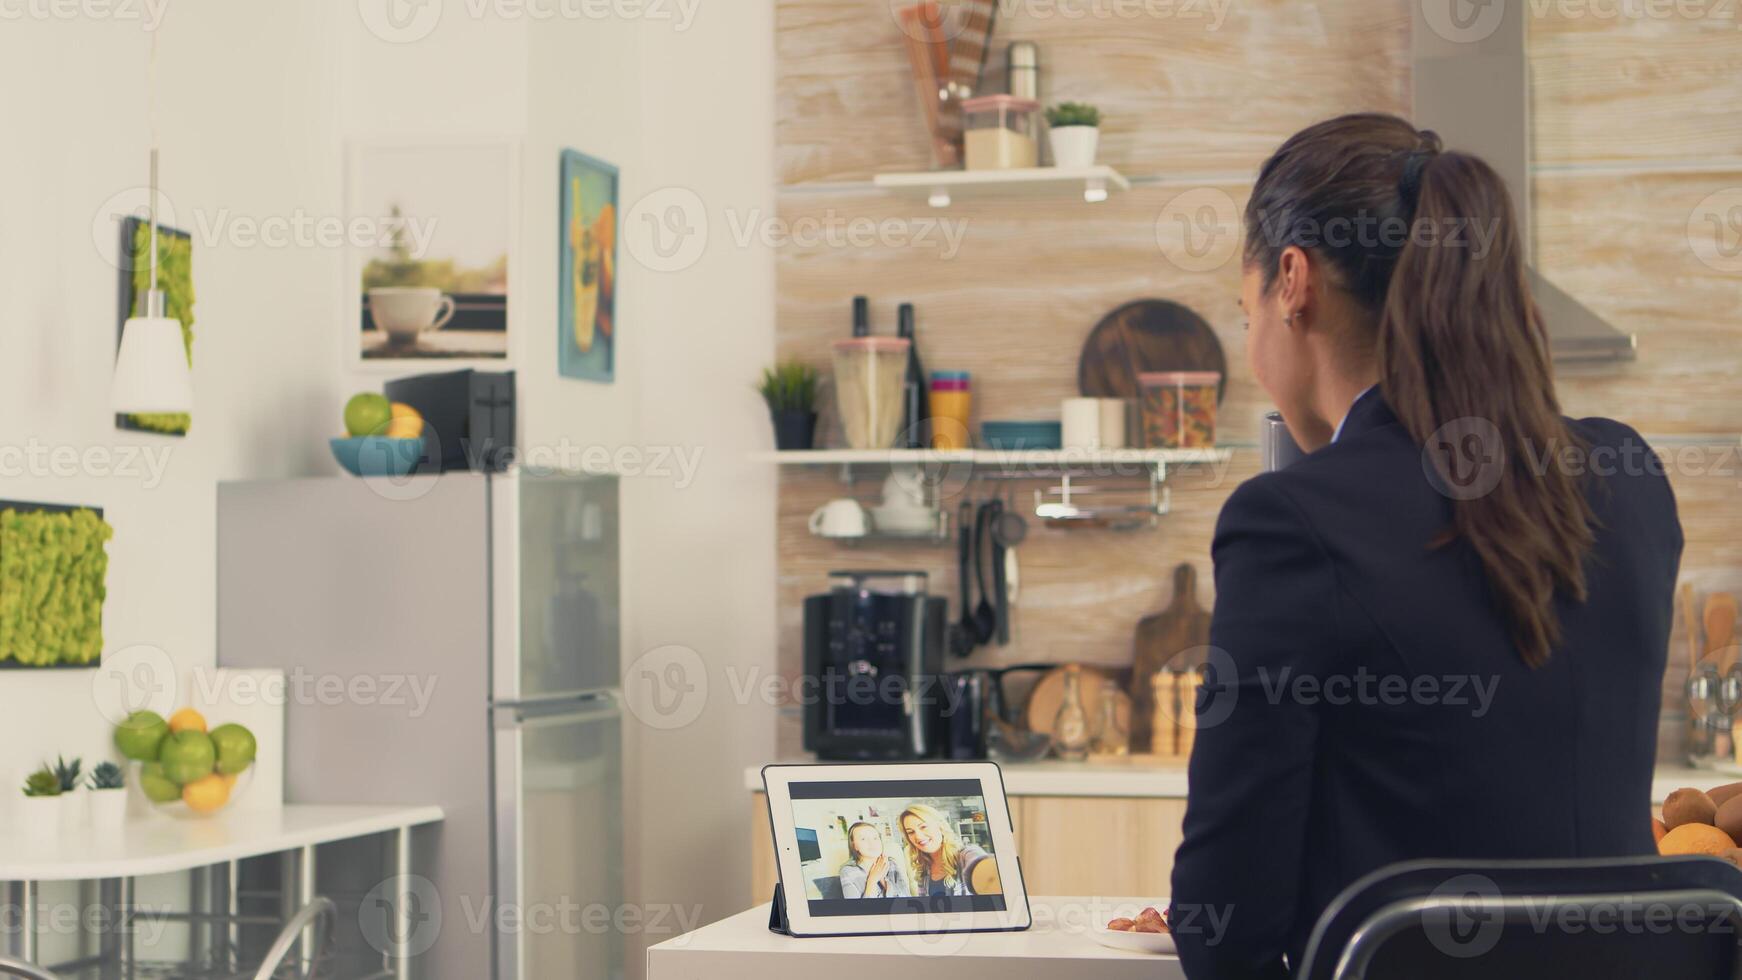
column 777, row 913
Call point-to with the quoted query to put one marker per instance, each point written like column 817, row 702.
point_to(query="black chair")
column 1645, row 917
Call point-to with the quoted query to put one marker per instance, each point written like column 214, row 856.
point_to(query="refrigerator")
column 452, row 639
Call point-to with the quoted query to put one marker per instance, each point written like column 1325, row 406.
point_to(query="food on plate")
column 1148, row 920
column 1685, row 806
column 1695, row 838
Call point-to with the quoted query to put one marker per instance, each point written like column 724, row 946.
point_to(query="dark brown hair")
column 1425, row 241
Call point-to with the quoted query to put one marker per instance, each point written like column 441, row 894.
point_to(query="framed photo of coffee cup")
column 429, row 230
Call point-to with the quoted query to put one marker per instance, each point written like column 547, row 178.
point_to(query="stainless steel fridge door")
column 558, row 838
column 555, row 589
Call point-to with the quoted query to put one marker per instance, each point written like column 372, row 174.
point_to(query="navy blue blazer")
column 1371, row 706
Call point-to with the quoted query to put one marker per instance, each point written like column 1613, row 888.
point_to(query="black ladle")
column 985, row 616
column 963, row 633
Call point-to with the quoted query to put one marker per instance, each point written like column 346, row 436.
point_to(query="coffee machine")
column 873, row 653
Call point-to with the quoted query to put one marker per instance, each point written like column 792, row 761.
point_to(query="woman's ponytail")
column 1462, row 352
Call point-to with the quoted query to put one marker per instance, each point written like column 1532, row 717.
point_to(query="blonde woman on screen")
column 938, row 862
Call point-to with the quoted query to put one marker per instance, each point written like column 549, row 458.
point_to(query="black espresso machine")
column 873, row 658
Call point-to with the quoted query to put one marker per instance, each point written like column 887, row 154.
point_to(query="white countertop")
column 1130, row 779
column 159, row 844
column 1057, row 945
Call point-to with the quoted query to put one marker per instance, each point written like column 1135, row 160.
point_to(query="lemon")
column 207, row 794
column 187, row 720
column 406, row 423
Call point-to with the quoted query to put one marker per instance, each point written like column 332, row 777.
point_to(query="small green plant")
column 790, row 387
column 67, row 773
column 1073, row 114
column 107, row 775
column 42, row 782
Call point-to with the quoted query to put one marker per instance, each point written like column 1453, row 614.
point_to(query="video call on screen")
column 882, row 846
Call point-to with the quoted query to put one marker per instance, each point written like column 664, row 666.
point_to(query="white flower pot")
column 1074, row 146
column 108, row 809
column 38, row 818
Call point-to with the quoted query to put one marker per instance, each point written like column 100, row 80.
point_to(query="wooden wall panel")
column 1637, row 122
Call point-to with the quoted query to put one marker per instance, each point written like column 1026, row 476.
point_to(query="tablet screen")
column 895, row 845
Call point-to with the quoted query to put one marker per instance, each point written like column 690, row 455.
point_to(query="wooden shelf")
column 998, row 458
column 942, row 187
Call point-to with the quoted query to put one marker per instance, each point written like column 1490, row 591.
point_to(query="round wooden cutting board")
column 1147, row 335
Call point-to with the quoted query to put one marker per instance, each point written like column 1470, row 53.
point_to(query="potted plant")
column 1074, row 132
column 39, row 813
column 67, row 775
column 108, row 797
column 790, row 389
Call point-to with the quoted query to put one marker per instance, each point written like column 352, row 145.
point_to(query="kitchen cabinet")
column 1070, row 845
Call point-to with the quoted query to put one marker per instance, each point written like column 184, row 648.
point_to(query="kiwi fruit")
column 1685, row 806
column 1723, row 793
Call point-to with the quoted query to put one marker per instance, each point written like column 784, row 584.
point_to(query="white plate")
column 1136, row 942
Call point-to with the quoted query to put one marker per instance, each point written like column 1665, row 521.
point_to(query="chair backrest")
column 1587, row 918
column 18, row 968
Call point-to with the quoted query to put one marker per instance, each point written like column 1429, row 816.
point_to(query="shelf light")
column 1095, row 190
column 940, row 198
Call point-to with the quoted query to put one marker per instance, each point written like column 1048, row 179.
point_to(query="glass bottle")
column 915, row 409
column 1112, row 739
column 1070, row 727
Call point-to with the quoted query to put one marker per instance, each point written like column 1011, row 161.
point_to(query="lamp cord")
column 151, row 129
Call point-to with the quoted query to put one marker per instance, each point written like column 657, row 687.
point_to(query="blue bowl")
column 1021, row 435
column 377, row 455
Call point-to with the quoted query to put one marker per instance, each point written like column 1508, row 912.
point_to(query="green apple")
column 187, row 756
column 367, row 414
column 235, row 748
column 141, row 735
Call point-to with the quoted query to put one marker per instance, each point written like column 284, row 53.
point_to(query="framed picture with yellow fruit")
column 587, row 269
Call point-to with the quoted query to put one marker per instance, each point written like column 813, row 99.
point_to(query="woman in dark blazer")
column 1441, row 633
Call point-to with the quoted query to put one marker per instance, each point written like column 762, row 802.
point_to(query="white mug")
column 1112, row 423
column 405, row 312
column 842, row 518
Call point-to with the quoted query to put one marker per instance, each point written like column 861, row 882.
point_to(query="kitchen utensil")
column 868, row 379
column 1048, row 694
column 1147, row 335
column 1701, row 688
column 1186, row 686
column 1011, row 743
column 1277, row 449
column 1110, row 738
column 1000, row 588
column 985, row 615
column 377, row 455
column 1081, row 423
column 843, row 518
column 1071, row 733
column 968, row 53
column 969, row 707
column 1719, row 618
column 962, row 635
column 1009, row 530
column 1016, row 435
column 1176, row 637
column 922, row 31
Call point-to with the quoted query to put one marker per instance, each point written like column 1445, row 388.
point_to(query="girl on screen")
column 870, row 873
column 938, row 863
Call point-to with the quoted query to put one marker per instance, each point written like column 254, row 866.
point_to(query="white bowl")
column 1136, row 942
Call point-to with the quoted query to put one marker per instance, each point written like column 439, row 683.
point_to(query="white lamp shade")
column 151, row 373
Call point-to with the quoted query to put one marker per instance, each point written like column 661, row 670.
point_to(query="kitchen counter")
column 1136, row 780
column 1056, row 945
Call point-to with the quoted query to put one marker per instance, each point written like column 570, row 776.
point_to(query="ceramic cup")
column 405, row 312
column 842, row 518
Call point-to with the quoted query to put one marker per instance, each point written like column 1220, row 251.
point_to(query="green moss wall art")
column 53, row 570
column 175, row 276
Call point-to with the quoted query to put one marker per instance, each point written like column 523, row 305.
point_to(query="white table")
column 1057, row 946
column 163, row 845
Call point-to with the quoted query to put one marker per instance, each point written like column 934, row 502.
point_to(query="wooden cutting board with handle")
column 1147, row 335
column 1182, row 628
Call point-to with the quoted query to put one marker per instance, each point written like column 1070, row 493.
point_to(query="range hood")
column 1472, row 86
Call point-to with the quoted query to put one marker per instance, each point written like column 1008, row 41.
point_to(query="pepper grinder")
column 1022, row 79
